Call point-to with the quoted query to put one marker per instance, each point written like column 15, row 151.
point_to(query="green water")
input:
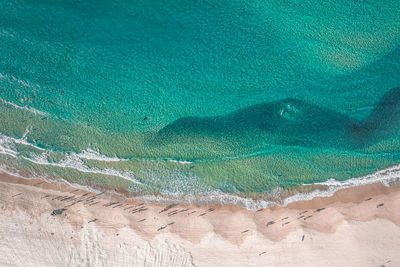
column 192, row 97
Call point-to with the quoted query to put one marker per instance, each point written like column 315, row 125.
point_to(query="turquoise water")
column 193, row 97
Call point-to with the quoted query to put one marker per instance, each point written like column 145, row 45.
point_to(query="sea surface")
column 182, row 97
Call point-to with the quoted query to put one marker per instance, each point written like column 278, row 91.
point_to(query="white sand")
column 350, row 231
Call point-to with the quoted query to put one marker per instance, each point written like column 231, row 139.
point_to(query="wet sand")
column 54, row 224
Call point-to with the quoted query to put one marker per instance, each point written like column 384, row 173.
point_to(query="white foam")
column 211, row 198
column 180, row 161
column 7, row 146
column 7, row 143
column 30, row 109
column 386, row 177
column 95, row 155
column 24, row 140
column 217, row 197
column 6, row 169
column 27, row 130
column 73, row 161
column 26, row 143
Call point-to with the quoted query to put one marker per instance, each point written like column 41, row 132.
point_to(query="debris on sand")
column 270, row 223
column 57, row 212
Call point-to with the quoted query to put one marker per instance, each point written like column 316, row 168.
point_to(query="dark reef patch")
column 383, row 122
column 291, row 122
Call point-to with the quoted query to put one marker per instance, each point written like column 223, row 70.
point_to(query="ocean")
column 199, row 98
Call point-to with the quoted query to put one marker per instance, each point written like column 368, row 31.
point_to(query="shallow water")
column 194, row 97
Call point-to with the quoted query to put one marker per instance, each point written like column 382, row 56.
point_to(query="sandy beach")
column 54, row 224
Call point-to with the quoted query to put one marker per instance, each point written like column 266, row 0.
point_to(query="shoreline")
column 209, row 196
column 201, row 235
column 277, row 197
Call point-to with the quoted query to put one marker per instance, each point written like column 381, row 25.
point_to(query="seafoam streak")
column 93, row 154
column 73, row 161
column 30, row 109
column 7, row 147
column 386, row 177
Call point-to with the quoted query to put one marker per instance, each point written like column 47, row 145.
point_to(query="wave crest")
column 30, row 109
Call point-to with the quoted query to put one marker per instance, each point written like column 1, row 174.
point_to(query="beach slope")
column 54, row 224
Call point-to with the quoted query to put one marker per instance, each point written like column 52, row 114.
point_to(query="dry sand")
column 355, row 227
